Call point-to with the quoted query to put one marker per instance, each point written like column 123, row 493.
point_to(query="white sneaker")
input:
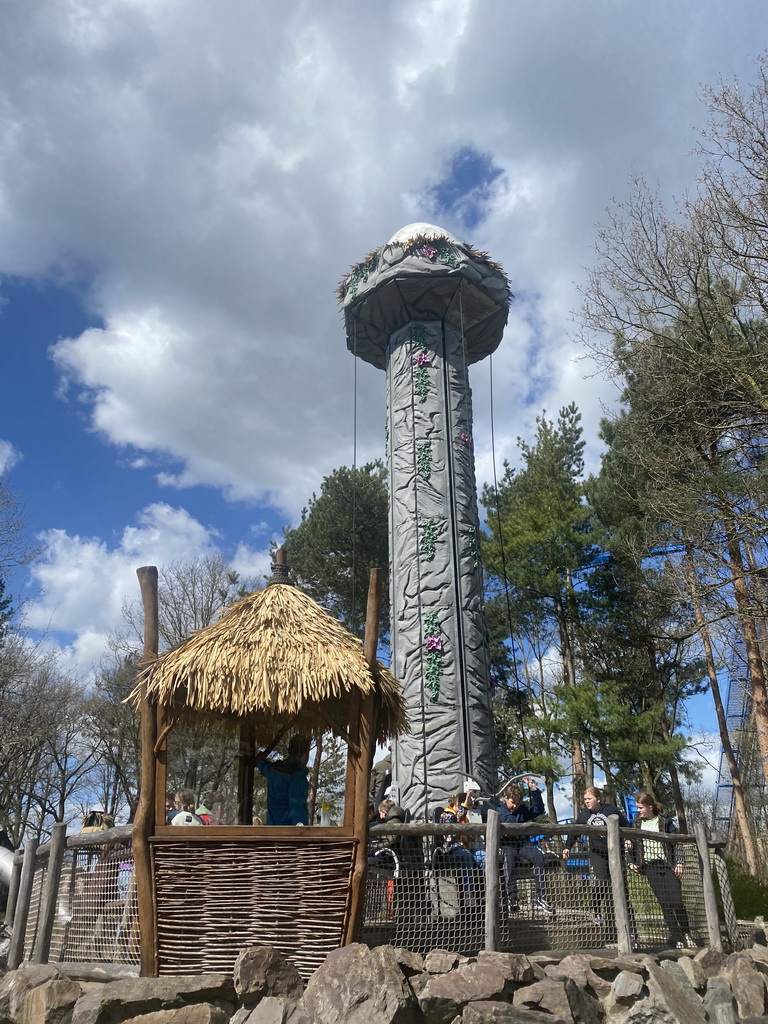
column 544, row 907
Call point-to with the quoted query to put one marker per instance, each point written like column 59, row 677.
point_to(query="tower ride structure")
column 424, row 307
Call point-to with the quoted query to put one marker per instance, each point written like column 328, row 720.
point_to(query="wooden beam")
column 50, row 894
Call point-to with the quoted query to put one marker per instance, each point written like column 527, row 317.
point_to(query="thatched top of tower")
column 424, row 273
column 275, row 658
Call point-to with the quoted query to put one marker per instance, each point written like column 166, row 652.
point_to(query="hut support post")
column 13, row 890
column 147, row 811
column 708, row 888
column 492, row 900
column 363, row 734
column 618, row 885
column 245, row 769
column 50, row 894
column 21, row 916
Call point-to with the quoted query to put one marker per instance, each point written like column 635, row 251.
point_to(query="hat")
column 471, row 786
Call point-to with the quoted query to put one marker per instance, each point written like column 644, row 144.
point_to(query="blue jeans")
column 532, row 855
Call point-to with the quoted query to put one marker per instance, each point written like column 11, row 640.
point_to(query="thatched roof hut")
column 276, row 658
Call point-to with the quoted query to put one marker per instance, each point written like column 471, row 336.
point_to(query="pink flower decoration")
column 434, row 643
column 466, row 440
column 422, row 359
column 429, row 251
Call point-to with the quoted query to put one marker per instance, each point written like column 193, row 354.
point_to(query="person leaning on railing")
column 661, row 865
column 596, row 812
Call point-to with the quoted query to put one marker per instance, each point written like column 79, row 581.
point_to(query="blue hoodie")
column 287, row 791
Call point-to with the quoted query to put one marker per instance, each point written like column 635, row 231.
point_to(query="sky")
column 182, row 186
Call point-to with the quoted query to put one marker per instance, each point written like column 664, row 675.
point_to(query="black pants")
column 668, row 891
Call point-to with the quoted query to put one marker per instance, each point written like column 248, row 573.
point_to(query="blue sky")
column 182, row 185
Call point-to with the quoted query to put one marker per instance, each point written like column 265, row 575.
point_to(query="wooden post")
column 143, row 825
column 50, row 894
column 13, row 889
column 708, row 887
column 492, row 890
column 246, row 762
column 619, row 889
column 726, row 898
column 160, row 783
column 359, row 765
column 16, row 950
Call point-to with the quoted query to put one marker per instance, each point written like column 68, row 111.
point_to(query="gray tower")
column 423, row 307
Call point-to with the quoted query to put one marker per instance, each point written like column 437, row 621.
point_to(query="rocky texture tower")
column 423, row 308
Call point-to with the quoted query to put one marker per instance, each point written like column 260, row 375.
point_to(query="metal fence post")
column 492, row 889
column 50, row 894
column 708, row 887
column 619, row 889
column 16, row 950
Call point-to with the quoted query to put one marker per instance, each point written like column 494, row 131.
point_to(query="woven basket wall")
column 213, row 899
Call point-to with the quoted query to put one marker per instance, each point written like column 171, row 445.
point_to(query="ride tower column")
column 423, row 308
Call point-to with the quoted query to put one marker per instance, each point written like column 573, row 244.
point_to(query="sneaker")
column 597, row 919
column 543, row 906
column 690, row 942
column 513, row 908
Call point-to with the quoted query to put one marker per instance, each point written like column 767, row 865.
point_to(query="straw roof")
column 275, row 657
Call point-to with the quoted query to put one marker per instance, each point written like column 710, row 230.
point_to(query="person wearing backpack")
column 184, row 809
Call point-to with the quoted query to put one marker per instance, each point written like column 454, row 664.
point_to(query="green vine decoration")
column 428, row 538
column 386, row 439
column 433, row 647
column 362, row 272
column 421, row 361
column 446, row 254
column 424, row 460
column 472, row 536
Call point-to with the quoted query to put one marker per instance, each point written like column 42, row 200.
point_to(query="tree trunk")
column 314, row 776
column 741, row 812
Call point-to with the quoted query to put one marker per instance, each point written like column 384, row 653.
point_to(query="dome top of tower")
column 424, row 273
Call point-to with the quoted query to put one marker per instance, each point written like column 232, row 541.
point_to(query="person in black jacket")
column 512, row 811
column 596, row 812
column 662, row 867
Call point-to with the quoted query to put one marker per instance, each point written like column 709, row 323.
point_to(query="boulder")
column 564, row 999
column 440, row 961
column 130, row 997
column 272, row 1010
column 577, row 967
column 759, row 957
column 719, row 1004
column 675, row 969
column 51, row 1003
column 199, row 1013
column 263, row 971
column 693, row 972
column 517, row 967
column 748, row 986
column 491, row 979
column 16, row 984
column 410, row 963
column 358, row 985
column 626, row 987
column 711, row 961
column 490, row 1012
column 665, row 993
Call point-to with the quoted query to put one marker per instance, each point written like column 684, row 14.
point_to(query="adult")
column 513, row 811
column 662, row 866
column 184, row 809
column 287, row 784
column 596, row 811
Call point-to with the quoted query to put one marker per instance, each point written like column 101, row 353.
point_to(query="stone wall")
column 359, row 985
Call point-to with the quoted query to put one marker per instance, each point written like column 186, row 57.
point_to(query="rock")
column 648, row 1011
column 272, row 1010
column 410, row 963
column 491, row 1012
column 199, row 1013
column 51, row 1002
column 693, row 972
column 675, row 970
column 718, row 1002
column 419, row 982
column 564, row 999
column 626, row 987
column 577, row 967
column 491, row 979
column 16, row 984
column 711, row 961
column 664, row 992
column 358, row 985
column 129, row 997
column 748, row 986
column 516, row 966
column 263, row 971
column 440, row 961
column 759, row 957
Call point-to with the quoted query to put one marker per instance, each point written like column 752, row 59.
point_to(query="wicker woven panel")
column 213, row 899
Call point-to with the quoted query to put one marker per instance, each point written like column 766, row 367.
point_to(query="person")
column 596, row 811
column 454, row 849
column 512, row 811
column 381, row 778
column 287, row 784
column 474, row 812
column 206, row 815
column 184, row 809
column 661, row 865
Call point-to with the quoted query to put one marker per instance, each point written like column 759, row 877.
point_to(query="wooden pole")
column 50, row 894
column 360, row 762
column 146, row 812
column 246, row 763
column 619, row 889
column 492, row 888
column 20, row 917
column 13, row 889
column 708, row 887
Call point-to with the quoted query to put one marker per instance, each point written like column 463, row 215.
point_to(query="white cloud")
column 9, row 457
